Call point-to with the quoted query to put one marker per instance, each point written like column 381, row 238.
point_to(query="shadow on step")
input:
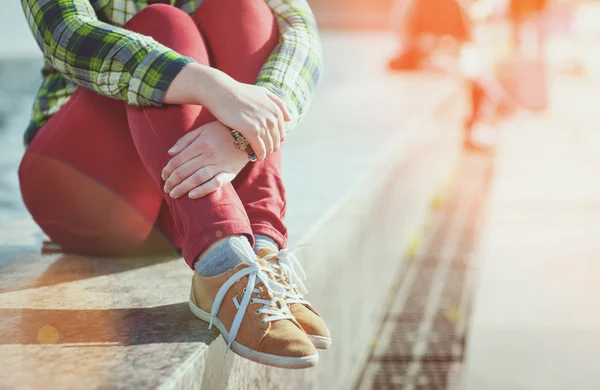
column 112, row 327
column 22, row 267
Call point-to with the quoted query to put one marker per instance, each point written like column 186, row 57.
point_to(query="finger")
column 268, row 140
column 276, row 135
column 197, row 179
column 277, row 100
column 212, row 185
column 189, row 152
column 258, row 146
column 183, row 172
column 184, row 141
column 281, row 126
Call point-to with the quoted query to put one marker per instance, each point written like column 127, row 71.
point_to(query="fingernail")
column 173, row 150
column 165, row 189
column 193, row 194
column 172, row 194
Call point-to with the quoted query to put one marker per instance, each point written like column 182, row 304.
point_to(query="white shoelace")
column 291, row 268
column 256, row 274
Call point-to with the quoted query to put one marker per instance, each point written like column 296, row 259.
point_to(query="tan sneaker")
column 289, row 273
column 246, row 305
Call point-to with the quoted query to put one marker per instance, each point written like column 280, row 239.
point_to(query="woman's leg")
column 91, row 178
column 84, row 184
column 477, row 98
column 155, row 130
column 241, row 34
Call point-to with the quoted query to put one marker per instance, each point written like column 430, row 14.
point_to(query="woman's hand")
column 203, row 161
column 258, row 114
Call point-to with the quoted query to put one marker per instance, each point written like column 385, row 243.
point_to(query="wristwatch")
column 243, row 144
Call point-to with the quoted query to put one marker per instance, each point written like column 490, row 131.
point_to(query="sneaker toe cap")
column 285, row 339
column 310, row 321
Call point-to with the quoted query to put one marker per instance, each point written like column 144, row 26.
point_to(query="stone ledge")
column 360, row 173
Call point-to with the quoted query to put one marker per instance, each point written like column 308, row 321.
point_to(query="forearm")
column 190, row 85
column 198, row 84
column 112, row 61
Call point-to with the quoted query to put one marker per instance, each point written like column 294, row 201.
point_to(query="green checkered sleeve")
column 109, row 60
column 294, row 68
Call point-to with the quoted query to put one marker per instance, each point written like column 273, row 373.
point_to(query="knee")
column 159, row 18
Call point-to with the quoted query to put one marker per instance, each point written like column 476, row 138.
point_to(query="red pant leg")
column 90, row 141
column 84, row 184
column 155, row 130
column 241, row 35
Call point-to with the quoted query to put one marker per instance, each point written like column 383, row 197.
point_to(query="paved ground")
column 527, row 256
column 536, row 321
column 422, row 341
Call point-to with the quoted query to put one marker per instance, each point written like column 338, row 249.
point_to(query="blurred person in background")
column 524, row 70
column 424, row 26
column 526, row 17
column 439, row 33
column 159, row 127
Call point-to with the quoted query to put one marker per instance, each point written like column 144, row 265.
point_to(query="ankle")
column 213, row 245
column 262, row 242
column 223, row 255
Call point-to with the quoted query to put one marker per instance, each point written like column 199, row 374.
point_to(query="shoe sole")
column 320, row 342
column 255, row 356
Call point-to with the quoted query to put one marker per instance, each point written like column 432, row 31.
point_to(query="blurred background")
column 503, row 292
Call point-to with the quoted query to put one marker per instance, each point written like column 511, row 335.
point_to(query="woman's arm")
column 135, row 68
column 295, row 67
column 109, row 60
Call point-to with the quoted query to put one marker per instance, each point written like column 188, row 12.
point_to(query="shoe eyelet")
column 251, row 300
column 262, row 322
column 257, row 312
column 244, row 290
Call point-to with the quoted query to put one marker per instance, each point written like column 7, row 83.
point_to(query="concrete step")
column 361, row 173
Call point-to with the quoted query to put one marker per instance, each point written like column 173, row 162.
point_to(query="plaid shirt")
column 84, row 44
